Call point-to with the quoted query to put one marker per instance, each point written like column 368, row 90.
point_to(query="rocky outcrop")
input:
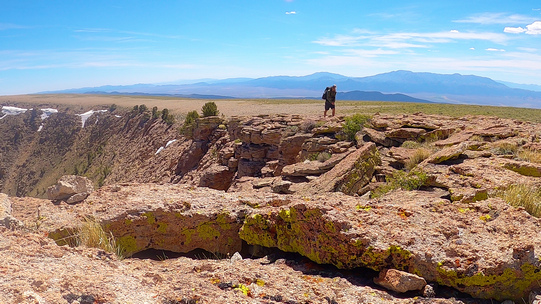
column 473, row 247
column 6, row 218
column 350, row 175
column 291, row 185
column 62, row 274
column 70, row 188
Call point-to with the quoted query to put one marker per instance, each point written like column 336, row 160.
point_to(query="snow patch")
column 47, row 112
column 12, row 111
column 7, row 110
column 159, row 150
column 40, row 128
column 166, row 145
column 170, row 142
column 86, row 115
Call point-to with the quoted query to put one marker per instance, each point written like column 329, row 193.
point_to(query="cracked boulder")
column 71, row 188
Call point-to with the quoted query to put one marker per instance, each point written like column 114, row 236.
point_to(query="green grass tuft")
column 408, row 181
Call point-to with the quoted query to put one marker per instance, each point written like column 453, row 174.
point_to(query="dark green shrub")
column 155, row 113
column 354, row 124
column 191, row 117
column 167, row 117
column 210, row 109
column 143, row 108
column 189, row 123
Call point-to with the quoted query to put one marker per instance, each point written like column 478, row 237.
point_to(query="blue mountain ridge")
column 393, row 86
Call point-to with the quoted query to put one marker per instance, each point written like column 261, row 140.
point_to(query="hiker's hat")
column 334, row 85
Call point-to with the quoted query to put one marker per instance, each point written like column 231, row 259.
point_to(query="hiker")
column 330, row 98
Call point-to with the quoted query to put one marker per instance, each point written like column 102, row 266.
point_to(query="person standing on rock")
column 330, row 99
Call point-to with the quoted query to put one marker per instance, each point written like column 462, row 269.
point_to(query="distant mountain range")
column 393, row 86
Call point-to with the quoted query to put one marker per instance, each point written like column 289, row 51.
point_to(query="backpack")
column 325, row 93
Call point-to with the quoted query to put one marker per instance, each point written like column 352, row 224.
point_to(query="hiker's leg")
column 332, row 111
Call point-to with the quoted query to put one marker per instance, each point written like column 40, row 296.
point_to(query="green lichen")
column 393, row 257
column 485, row 218
column 207, row 232
column 363, row 208
column 224, row 221
column 162, row 227
column 255, row 231
column 512, row 284
column 188, row 235
column 480, row 196
column 245, row 290
column 151, row 219
column 128, row 222
column 128, row 244
column 357, row 177
column 524, row 170
column 63, row 237
column 330, row 226
column 285, row 214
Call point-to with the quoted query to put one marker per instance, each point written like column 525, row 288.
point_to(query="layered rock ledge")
column 474, row 247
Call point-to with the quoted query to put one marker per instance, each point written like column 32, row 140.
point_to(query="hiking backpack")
column 325, row 93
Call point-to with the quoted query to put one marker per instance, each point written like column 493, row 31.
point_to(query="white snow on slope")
column 159, row 150
column 7, row 110
column 86, row 115
column 166, row 145
column 12, row 111
column 47, row 112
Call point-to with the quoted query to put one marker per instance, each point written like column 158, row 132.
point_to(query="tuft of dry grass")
column 418, row 156
column 91, row 234
column 523, row 195
column 532, row 156
column 504, row 148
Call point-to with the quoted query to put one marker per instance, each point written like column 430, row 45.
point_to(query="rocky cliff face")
column 284, row 153
column 419, row 194
column 108, row 147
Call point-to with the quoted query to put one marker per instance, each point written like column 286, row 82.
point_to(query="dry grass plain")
column 80, row 103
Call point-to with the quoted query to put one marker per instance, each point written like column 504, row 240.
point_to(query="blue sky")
column 52, row 45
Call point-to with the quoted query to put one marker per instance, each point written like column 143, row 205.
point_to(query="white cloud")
column 340, row 40
column 291, row 13
column 472, row 48
column 494, row 50
column 408, row 40
column 534, row 28
column 529, row 50
column 531, row 29
column 514, row 30
column 496, row 18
